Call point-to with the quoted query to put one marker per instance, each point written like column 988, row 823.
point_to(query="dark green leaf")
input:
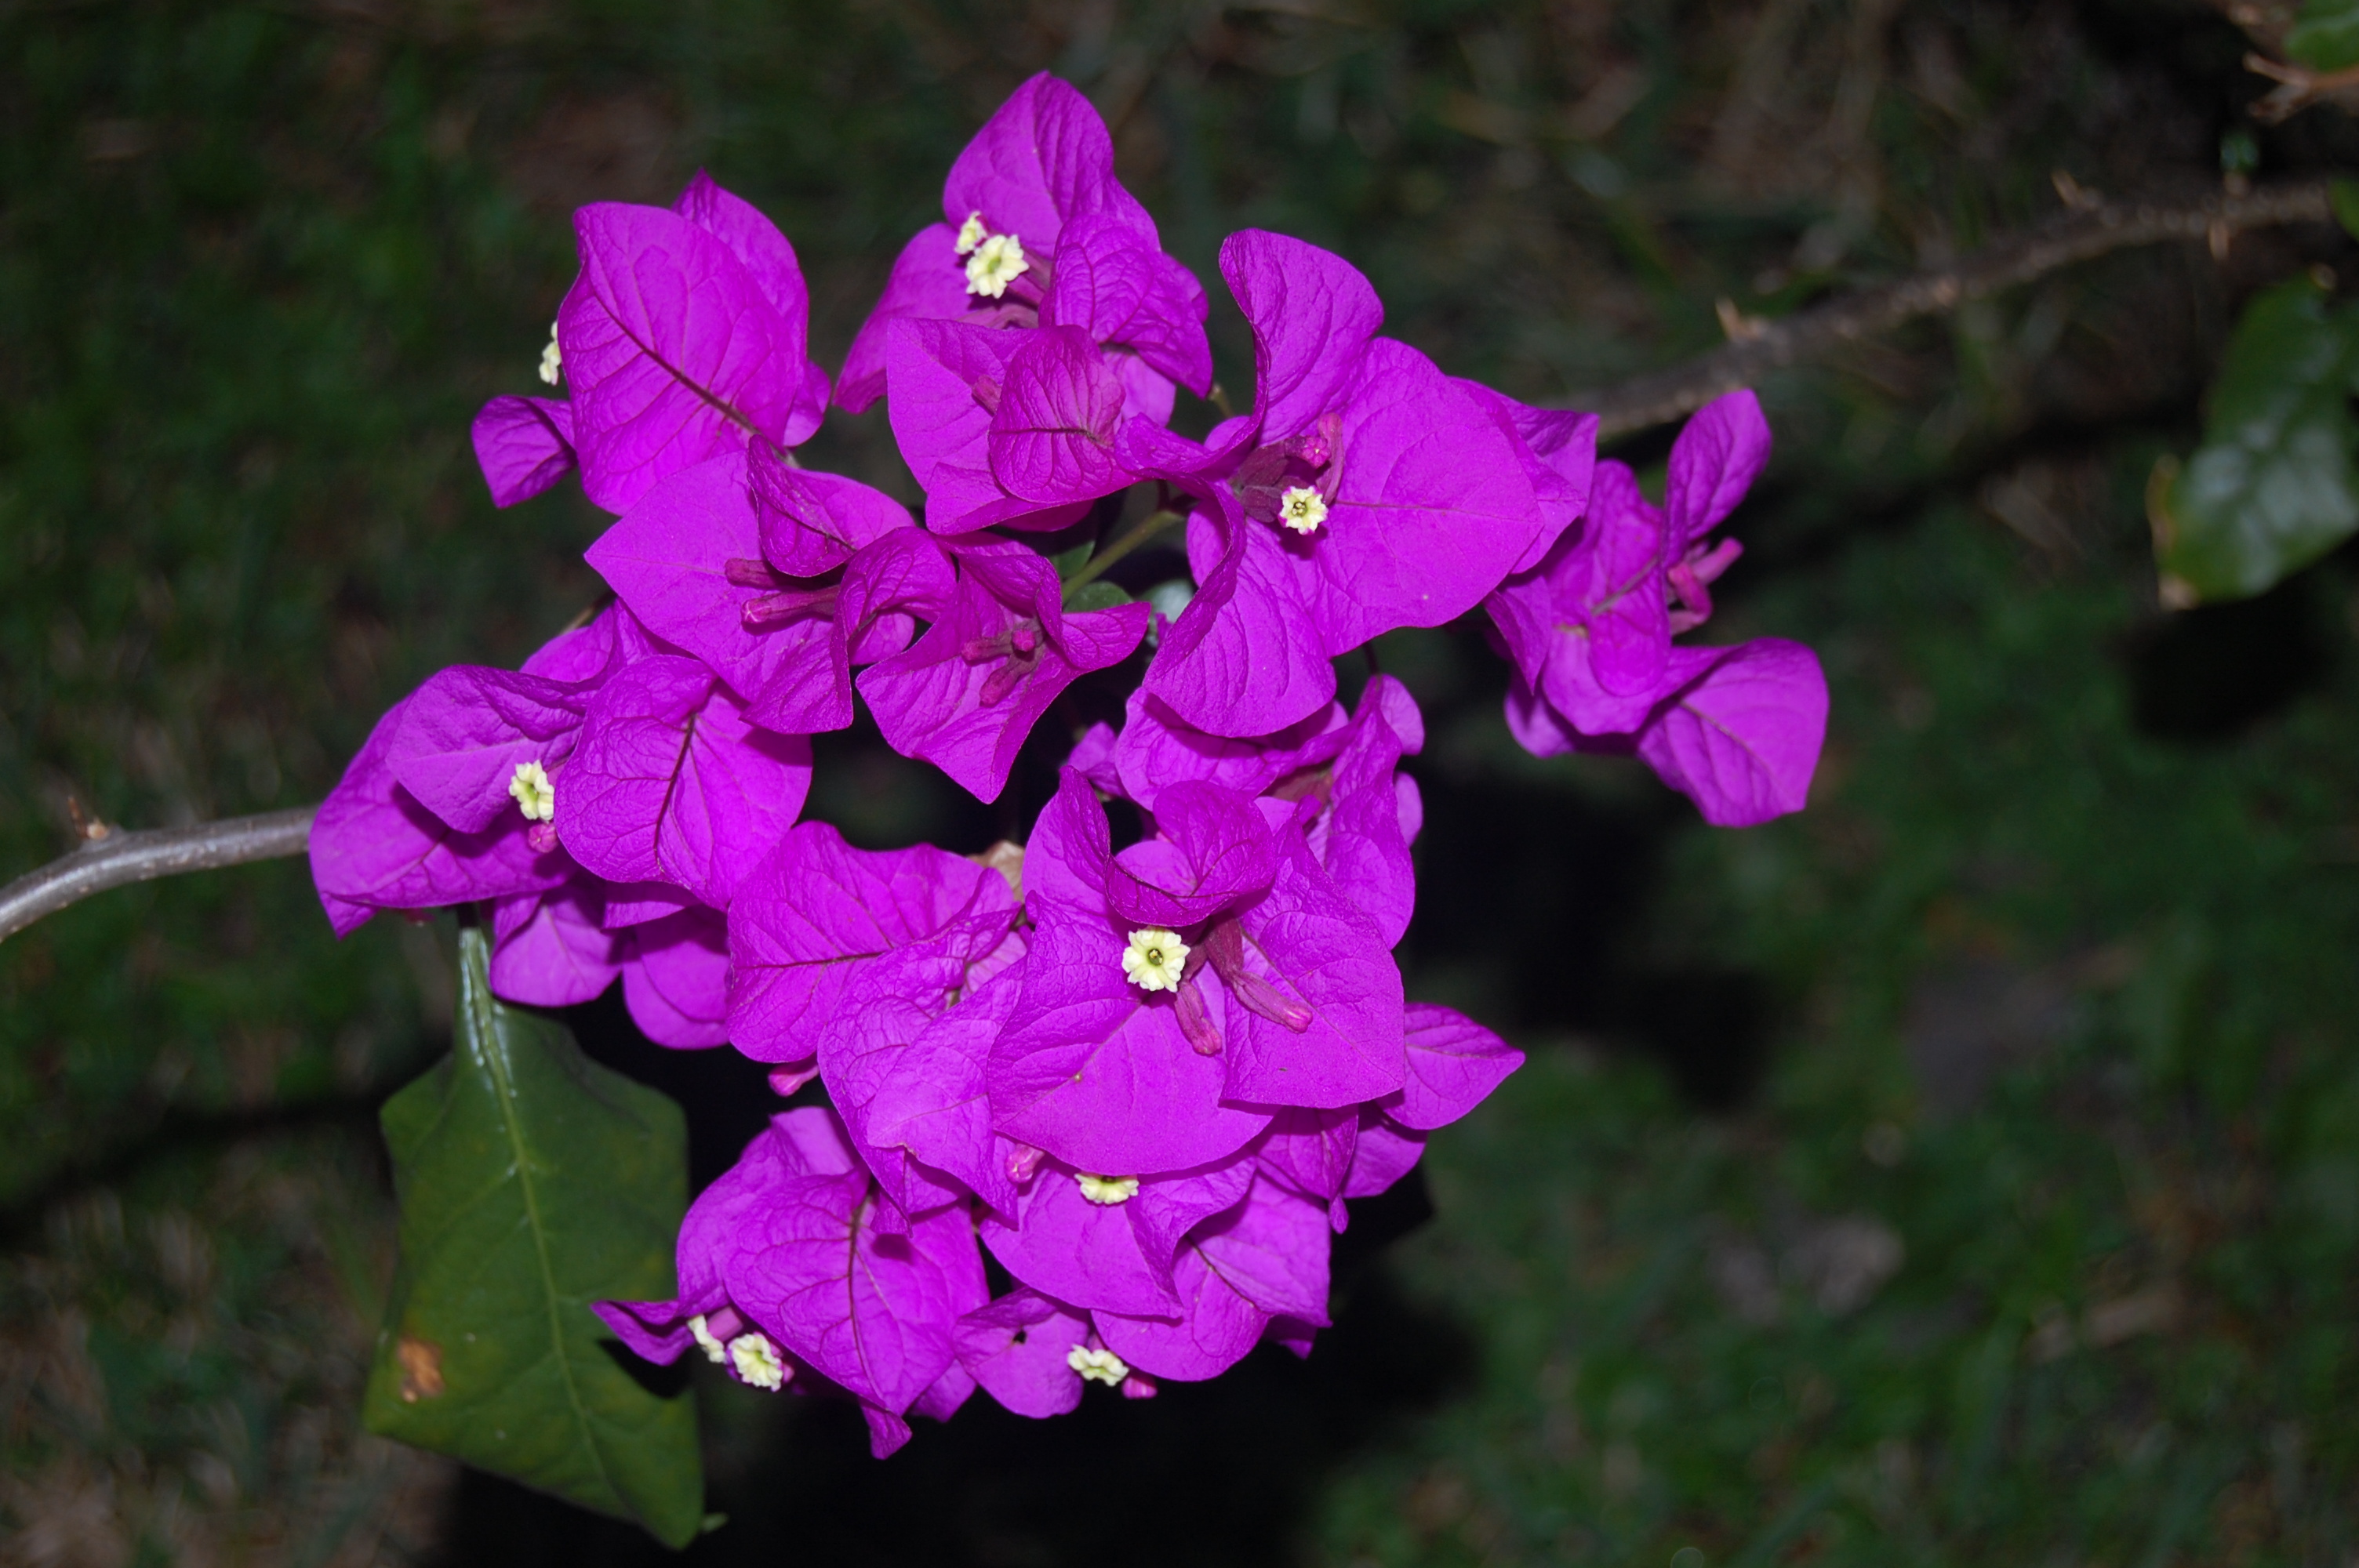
column 1095, row 594
column 1068, row 562
column 2271, row 489
column 533, row 1182
column 2344, row 194
column 2327, row 36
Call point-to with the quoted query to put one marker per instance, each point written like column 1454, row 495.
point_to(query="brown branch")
column 2092, row 227
column 113, row 858
column 2298, row 87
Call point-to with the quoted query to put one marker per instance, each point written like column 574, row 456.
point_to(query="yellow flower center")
column 1303, row 509
column 1154, row 959
column 758, row 1362
column 552, row 363
column 972, row 233
column 534, row 796
column 1097, row 1366
column 1107, row 1189
column 997, row 262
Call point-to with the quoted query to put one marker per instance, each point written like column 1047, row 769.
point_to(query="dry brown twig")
column 2298, row 87
column 2091, row 226
column 2268, row 23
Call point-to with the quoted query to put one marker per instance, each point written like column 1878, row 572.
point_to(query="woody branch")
column 2091, row 226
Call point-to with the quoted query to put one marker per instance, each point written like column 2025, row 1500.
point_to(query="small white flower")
column 997, row 262
column 758, row 1362
column 972, row 233
column 1303, row 509
column 1097, row 1366
column 534, row 796
column 552, row 363
column 1107, row 1189
column 1154, row 959
column 714, row 1351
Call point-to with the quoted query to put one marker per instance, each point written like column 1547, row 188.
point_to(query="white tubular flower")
column 534, row 796
column 1154, row 959
column 757, row 1361
column 1303, row 509
column 714, row 1351
column 1107, row 1189
column 972, row 233
column 997, row 262
column 1097, row 1366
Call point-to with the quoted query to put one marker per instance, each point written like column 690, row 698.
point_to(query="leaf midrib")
column 492, row 1045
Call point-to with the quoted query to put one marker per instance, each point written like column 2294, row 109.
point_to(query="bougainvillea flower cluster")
column 1144, row 1058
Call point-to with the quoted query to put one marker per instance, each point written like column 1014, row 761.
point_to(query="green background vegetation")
column 1963, row 1172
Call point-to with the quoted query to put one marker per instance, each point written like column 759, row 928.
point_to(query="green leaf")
column 2326, row 38
column 1095, row 594
column 1070, row 561
column 2344, row 195
column 2271, row 489
column 2240, row 150
column 532, row 1182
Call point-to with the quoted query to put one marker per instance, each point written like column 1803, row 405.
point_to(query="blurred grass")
column 2062, row 1023
column 2050, row 989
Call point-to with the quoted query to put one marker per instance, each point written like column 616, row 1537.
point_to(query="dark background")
column 1962, row 1170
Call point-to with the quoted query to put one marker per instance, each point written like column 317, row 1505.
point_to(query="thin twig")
column 121, row 858
column 2092, row 227
column 1151, row 528
column 2298, row 87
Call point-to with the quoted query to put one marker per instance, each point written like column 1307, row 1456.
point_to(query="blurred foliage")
column 2271, row 488
column 1959, row 1172
column 2040, row 1239
column 2326, row 35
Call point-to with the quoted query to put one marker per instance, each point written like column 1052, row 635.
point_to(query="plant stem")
column 1150, row 527
column 120, row 857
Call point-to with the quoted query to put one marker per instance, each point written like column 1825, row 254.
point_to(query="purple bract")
column 1737, row 730
column 1146, row 1073
column 1037, row 232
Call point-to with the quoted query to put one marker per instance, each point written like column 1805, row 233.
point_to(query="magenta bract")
column 1020, row 1349
column 965, row 694
column 816, row 924
column 523, row 445
column 1118, row 1254
column 780, row 579
column 1375, row 493
column 1148, row 1078
column 1295, row 999
column 1262, row 1260
column 676, row 348
column 1038, row 182
column 1736, row 730
column 375, row 846
column 670, row 782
